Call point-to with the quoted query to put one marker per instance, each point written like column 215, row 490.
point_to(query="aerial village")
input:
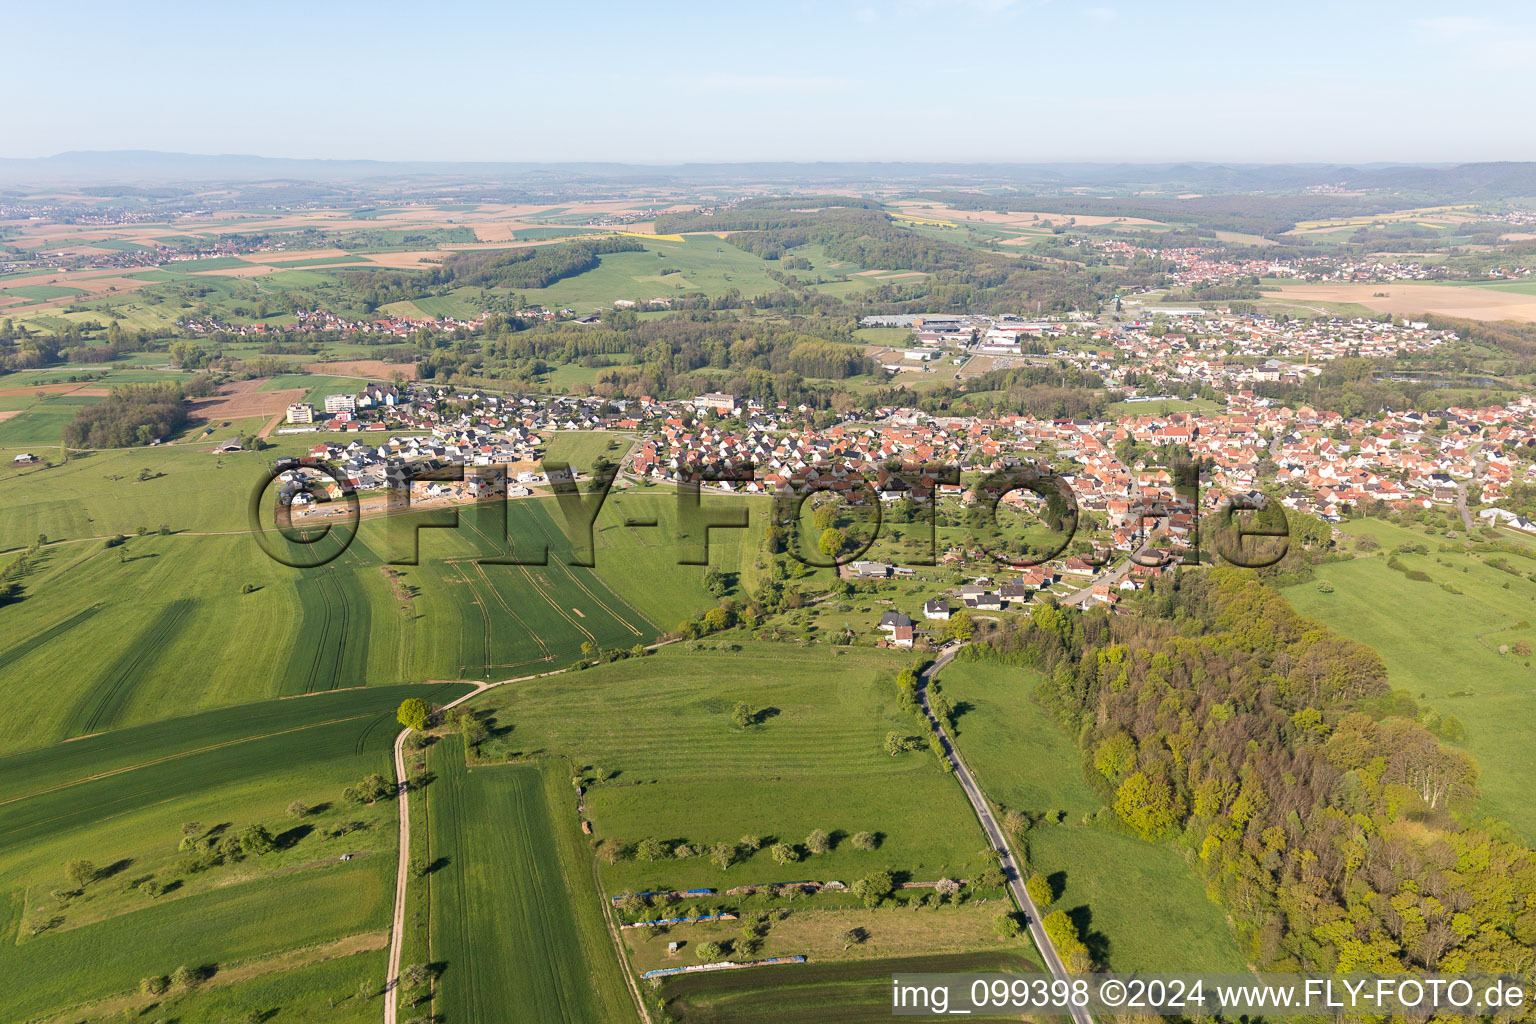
column 1316, row 461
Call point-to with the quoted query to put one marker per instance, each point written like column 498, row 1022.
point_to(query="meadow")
column 1140, row 905
column 123, row 801
column 660, row 731
column 819, row 933
column 165, row 624
column 645, row 565
column 1443, row 645
column 516, row 923
column 703, row 263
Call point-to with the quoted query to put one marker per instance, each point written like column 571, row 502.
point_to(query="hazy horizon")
column 964, row 81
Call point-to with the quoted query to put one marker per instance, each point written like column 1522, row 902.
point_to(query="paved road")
column 1479, row 467
column 1461, row 505
column 1113, row 578
column 995, row 835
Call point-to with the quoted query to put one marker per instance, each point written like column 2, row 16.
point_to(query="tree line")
column 1326, row 819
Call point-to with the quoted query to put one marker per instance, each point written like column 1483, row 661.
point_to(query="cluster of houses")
column 1203, row 265
column 1322, row 462
column 987, row 595
column 1509, row 520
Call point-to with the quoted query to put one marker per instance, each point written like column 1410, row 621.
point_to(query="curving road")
column 995, row 835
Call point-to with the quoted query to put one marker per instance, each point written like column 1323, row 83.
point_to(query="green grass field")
column 133, row 618
column 1444, row 647
column 704, row 263
column 645, row 565
column 120, row 800
column 681, row 770
column 41, row 292
column 516, row 921
column 1141, row 905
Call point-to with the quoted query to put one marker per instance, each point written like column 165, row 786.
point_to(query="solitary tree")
column 872, row 889
column 413, row 713
column 832, row 542
column 783, row 853
column 709, row 951
column 298, row 809
column 652, row 849
column 256, row 840
column 818, row 842
column 864, row 841
column 743, row 714
column 80, row 872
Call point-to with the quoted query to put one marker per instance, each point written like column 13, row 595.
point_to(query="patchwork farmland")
column 133, row 616
column 122, row 800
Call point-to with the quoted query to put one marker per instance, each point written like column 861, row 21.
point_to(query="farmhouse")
column 938, row 608
column 25, row 459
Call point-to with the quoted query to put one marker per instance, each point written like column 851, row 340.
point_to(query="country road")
column 995, row 835
column 402, row 872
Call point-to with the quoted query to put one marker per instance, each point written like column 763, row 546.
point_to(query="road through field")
column 995, row 835
column 397, row 929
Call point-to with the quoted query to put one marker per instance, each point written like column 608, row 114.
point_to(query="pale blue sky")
column 1004, row 80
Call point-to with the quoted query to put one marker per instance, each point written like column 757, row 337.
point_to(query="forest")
column 533, row 267
column 132, row 415
column 1333, row 827
column 664, row 352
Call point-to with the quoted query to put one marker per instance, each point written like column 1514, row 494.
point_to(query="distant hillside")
column 1479, row 180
